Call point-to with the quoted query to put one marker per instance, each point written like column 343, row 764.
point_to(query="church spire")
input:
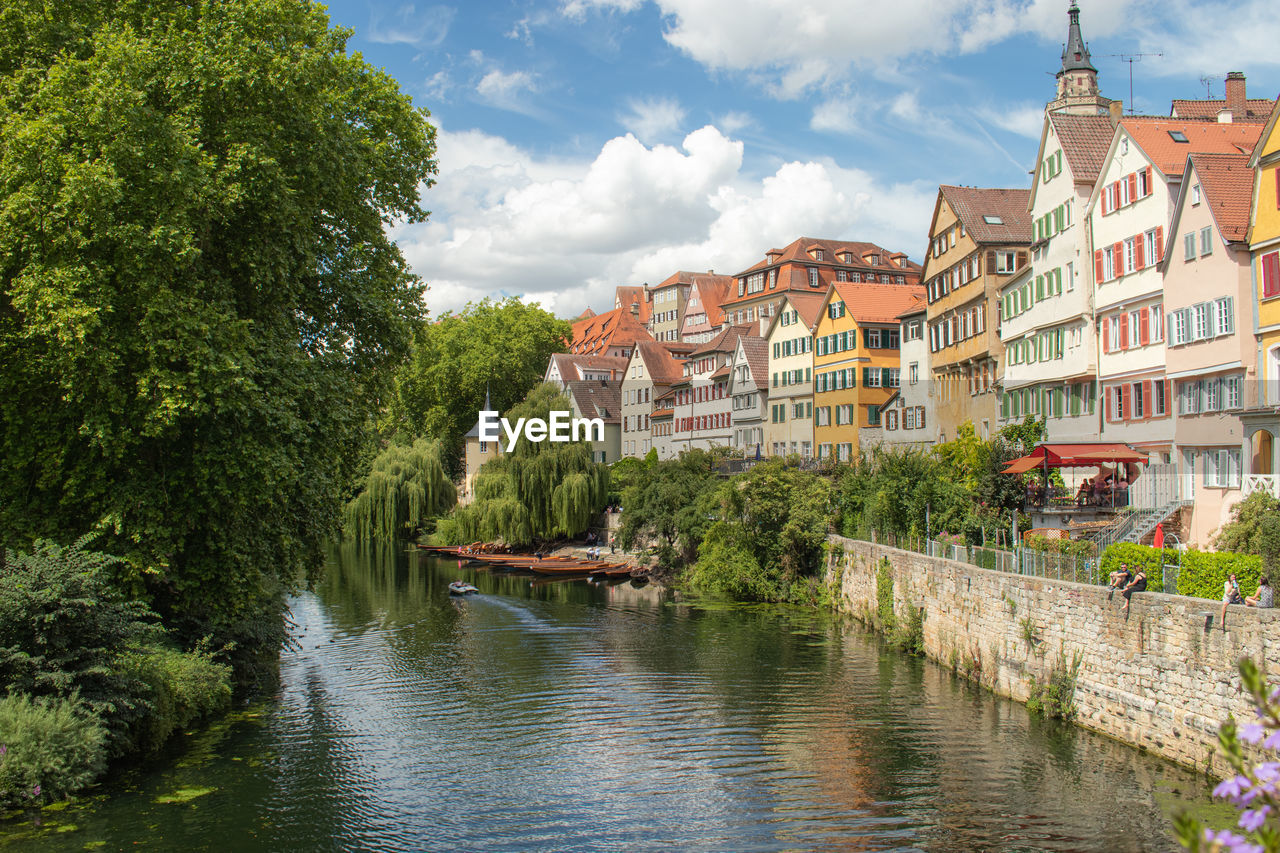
column 1078, row 79
column 1075, row 56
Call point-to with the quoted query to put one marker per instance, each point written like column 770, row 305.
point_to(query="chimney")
column 1235, row 94
column 635, row 309
column 1117, row 112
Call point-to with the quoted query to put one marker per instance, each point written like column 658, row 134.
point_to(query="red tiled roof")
column 726, row 341
column 585, row 314
column 1227, row 183
column 1256, row 110
column 919, row 305
column 808, row 305
column 597, row 399
column 1084, row 140
column 877, row 303
column 660, row 360
column 627, row 295
column 618, row 327
column 712, row 290
column 1203, row 137
column 971, row 204
column 798, row 253
column 756, row 352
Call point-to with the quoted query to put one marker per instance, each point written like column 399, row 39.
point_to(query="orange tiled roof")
column 726, row 341
column 1256, row 110
column 661, row 362
column 1084, row 140
column 1203, row 137
column 808, row 305
column 798, row 253
column 712, row 290
column 877, row 303
column 1227, row 183
column 971, row 204
column 627, row 295
column 618, row 327
column 919, row 305
column 756, row 351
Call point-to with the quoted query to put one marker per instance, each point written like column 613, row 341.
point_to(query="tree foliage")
column 499, row 348
column 406, row 487
column 670, row 508
column 199, row 302
column 1254, row 529
column 538, row 491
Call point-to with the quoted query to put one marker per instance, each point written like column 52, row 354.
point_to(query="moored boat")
column 461, row 588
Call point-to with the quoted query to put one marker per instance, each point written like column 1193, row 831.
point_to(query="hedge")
column 49, row 749
column 1201, row 574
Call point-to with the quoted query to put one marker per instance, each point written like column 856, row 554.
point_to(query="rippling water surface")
column 573, row 716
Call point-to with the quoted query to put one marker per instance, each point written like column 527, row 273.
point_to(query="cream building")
column 789, row 416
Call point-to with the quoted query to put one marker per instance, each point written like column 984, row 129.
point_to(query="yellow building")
column 855, row 362
column 1262, row 424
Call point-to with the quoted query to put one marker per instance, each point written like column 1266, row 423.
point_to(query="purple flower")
column 1273, row 740
column 1232, row 788
column 1267, row 771
column 35, row 792
column 1252, row 732
column 1232, row 842
column 1252, row 820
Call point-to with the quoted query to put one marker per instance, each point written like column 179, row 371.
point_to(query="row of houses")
column 1130, row 294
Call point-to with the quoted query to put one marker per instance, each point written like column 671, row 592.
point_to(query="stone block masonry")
column 1162, row 679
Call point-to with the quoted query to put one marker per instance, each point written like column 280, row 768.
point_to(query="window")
column 1155, row 322
column 1189, row 246
column 913, row 373
column 1177, row 136
column 1270, row 273
column 1223, row 321
column 813, row 276
column 1149, row 247
column 1128, row 254
column 993, row 220
column 1195, row 195
column 1108, row 264
column 1005, row 261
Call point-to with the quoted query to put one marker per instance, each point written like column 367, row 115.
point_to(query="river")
column 575, row 716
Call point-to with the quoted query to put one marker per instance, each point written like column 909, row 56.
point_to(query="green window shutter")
column 884, row 377
column 866, row 376
column 776, row 348
column 807, row 373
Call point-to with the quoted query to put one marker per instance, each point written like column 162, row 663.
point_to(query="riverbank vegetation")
column 537, row 492
column 406, row 488
column 200, row 318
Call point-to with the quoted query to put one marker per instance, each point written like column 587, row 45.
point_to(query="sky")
column 584, row 144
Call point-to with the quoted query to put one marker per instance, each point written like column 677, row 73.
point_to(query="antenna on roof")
column 1208, row 85
column 1132, row 58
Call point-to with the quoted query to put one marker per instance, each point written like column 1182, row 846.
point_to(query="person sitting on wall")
column 1230, row 595
column 1120, row 578
column 1138, row 584
column 1265, row 596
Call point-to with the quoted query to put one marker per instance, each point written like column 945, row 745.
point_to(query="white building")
column 749, row 392
column 907, row 417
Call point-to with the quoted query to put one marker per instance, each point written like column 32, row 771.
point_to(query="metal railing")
column 1022, row 561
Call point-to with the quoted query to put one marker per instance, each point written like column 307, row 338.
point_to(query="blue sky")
column 589, row 143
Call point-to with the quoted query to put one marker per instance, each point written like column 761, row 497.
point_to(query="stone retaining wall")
column 1162, row 679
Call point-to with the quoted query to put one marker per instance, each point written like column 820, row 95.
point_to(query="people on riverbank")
column 1118, row 579
column 1230, row 595
column 1265, row 596
column 1138, row 584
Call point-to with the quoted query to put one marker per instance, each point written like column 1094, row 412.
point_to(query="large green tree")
column 536, row 492
column 199, row 303
column 495, row 348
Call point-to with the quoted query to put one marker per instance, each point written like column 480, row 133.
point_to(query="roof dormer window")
column 817, row 254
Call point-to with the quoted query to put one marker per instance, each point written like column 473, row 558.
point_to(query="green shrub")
column 62, row 627
column 1204, row 573
column 1056, row 698
column 51, row 749
column 1151, row 560
column 182, row 687
column 728, row 569
column 884, row 597
column 910, row 634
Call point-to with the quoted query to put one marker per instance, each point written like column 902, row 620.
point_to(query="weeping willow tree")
column 406, row 486
column 539, row 491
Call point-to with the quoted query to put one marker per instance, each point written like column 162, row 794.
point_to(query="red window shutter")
column 1097, row 262
column 1144, row 331
column 1133, row 187
column 1124, row 330
column 1150, row 189
column 1148, row 400
column 1271, row 271
column 1126, row 401
column 1117, row 252
column 1106, row 334
column 1159, row 244
column 1138, row 258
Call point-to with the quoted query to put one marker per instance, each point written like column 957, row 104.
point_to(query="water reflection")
column 573, row 715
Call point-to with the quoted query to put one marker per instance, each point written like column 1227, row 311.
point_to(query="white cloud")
column 652, row 118
column 407, row 24
column 564, row 233
column 500, row 86
column 1023, row 119
column 838, row 115
column 438, row 85
column 734, row 121
column 579, row 8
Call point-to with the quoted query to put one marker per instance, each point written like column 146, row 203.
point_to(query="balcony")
column 1269, row 483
